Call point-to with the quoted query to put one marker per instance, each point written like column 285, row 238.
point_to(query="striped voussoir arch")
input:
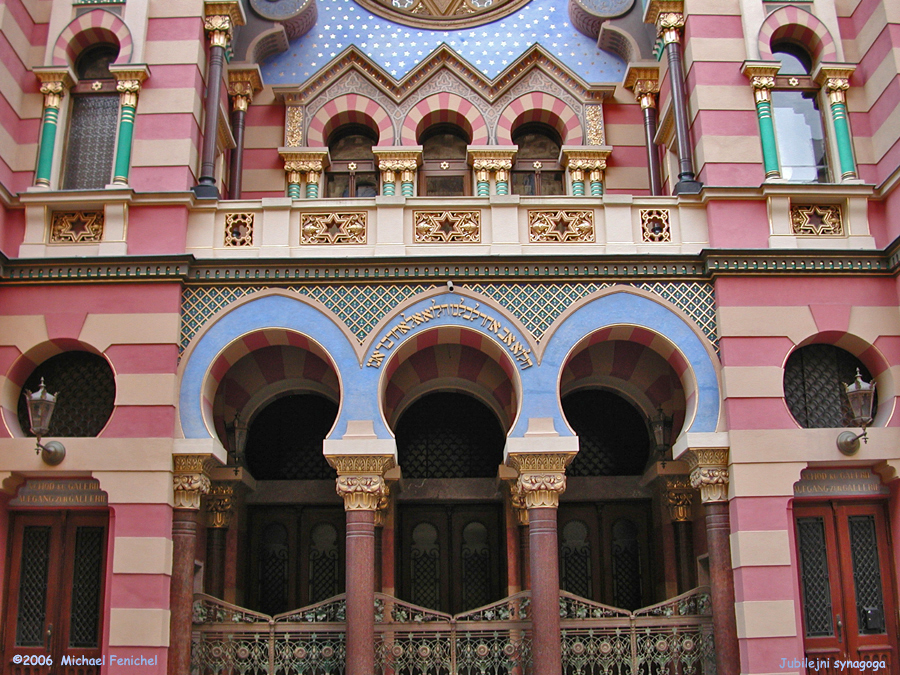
column 796, row 25
column 444, row 108
column 89, row 29
column 350, row 109
column 540, row 107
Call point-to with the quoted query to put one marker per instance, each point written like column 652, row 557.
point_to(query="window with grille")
column 87, row 393
column 445, row 172
column 351, row 172
column 814, row 379
column 537, row 170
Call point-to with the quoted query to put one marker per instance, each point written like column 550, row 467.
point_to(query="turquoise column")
column 762, row 88
column 128, row 90
column 837, row 87
column 388, row 187
column 312, row 185
column 53, row 93
column 577, row 188
column 293, row 180
column 596, row 183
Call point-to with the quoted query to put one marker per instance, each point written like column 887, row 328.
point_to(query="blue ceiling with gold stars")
column 489, row 48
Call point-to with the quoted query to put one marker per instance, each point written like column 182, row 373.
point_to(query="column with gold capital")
column 129, row 78
column 679, row 500
column 243, row 84
column 219, row 509
column 643, row 80
column 220, row 17
column 709, row 474
column 190, row 483
column 762, row 78
column 541, row 480
column 836, row 79
column 55, row 82
column 361, row 484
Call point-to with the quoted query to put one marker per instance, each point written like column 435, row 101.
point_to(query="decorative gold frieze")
column 360, row 482
column 655, row 225
column 220, row 505
column 540, row 461
column 561, row 226
column 593, row 115
column 447, row 226
column 243, row 85
column 347, row 464
column 679, row 496
column 709, row 473
column 190, row 480
column 78, row 227
column 293, row 126
column 239, row 229
column 55, row 82
column 817, row 220
column 333, row 228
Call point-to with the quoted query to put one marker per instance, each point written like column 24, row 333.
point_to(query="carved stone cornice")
column 243, row 84
column 762, row 77
column 656, row 7
column 55, row 82
column 231, row 9
column 220, row 505
column 709, row 473
column 189, row 480
column 679, row 497
column 835, row 78
column 297, row 160
column 542, row 477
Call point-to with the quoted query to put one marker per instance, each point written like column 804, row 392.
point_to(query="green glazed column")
column 53, row 92
column 596, row 181
column 128, row 95
column 837, row 87
column 312, row 184
column 762, row 89
column 293, row 179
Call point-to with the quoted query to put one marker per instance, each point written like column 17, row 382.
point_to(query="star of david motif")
column 817, row 220
column 333, row 228
column 447, row 226
column 76, row 227
column 561, row 226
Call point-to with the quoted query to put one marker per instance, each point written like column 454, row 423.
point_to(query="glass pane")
column 866, row 575
column 87, row 578
column 522, row 183
column 814, row 577
column 337, row 185
column 324, row 570
column 92, row 137
column 552, row 183
column 801, row 139
column 445, row 186
column 444, row 146
column 536, row 146
column 425, row 566
column 575, row 559
column 476, row 566
column 33, row 587
column 366, row 185
column 354, row 146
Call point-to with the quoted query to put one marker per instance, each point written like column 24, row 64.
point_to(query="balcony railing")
column 672, row 637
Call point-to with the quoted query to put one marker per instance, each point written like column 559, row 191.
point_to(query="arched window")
column 814, row 379
column 537, row 170
column 798, row 120
column 445, row 172
column 352, row 169
column 94, row 117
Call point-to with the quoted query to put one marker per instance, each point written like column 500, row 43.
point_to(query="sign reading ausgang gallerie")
column 60, row 492
column 839, row 482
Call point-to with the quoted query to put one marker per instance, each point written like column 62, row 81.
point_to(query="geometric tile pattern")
column 536, row 304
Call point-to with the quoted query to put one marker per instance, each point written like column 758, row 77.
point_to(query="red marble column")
column 181, row 591
column 215, row 561
column 360, row 592
column 721, row 581
column 544, row 558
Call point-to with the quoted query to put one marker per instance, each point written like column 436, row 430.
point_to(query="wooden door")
column 846, row 583
column 451, row 558
column 55, row 610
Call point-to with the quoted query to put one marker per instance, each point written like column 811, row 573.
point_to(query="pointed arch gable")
column 540, row 107
column 444, row 108
column 350, row 109
column 642, row 318
column 798, row 26
column 88, row 29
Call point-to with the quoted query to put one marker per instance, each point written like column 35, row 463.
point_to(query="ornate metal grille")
column 273, row 569
column 92, row 137
column 813, row 385
column 285, row 439
column 814, row 577
column 476, row 566
column 626, row 564
column 33, row 586
column 575, row 559
column 84, row 620
column 866, row 574
column 449, row 436
column 425, row 566
column 87, row 393
column 324, row 563
column 612, row 435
